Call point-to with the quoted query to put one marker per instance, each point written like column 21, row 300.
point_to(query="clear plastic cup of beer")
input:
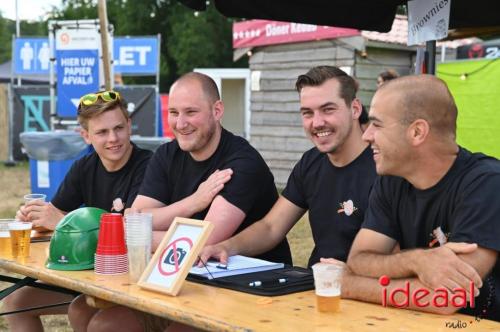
column 5, row 246
column 20, row 238
column 327, row 284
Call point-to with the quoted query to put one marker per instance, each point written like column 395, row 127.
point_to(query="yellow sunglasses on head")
column 91, row 98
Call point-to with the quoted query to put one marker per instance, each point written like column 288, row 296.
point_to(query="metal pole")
column 10, row 97
column 430, row 57
column 52, row 81
column 103, row 21
column 157, row 89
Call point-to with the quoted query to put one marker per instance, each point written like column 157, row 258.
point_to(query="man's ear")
column 418, row 131
column 129, row 125
column 85, row 135
column 356, row 108
column 218, row 109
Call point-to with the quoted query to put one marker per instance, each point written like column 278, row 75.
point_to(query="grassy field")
column 15, row 183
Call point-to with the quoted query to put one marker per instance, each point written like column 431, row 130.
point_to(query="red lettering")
column 419, row 294
column 440, row 293
column 472, row 295
column 461, row 294
column 405, row 293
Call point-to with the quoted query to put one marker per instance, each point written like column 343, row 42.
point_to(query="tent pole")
column 430, row 59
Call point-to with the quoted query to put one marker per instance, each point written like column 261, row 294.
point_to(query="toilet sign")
column 135, row 55
column 77, row 54
column 31, row 56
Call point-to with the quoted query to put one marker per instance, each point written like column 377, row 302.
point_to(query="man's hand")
column 44, row 216
column 22, row 214
column 208, row 189
column 441, row 267
column 218, row 251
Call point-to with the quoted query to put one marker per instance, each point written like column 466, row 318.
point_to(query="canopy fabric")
column 374, row 15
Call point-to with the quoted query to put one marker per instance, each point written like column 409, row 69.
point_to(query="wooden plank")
column 277, row 96
column 282, row 155
column 281, row 131
column 278, row 107
column 303, row 65
column 275, row 118
column 276, row 85
column 293, row 144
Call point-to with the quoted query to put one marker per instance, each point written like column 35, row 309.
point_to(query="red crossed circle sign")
column 165, row 267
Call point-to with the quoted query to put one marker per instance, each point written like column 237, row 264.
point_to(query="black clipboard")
column 298, row 279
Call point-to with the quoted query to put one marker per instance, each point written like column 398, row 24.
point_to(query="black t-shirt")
column 336, row 197
column 463, row 206
column 89, row 183
column 173, row 175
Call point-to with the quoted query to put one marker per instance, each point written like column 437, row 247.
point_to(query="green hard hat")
column 74, row 241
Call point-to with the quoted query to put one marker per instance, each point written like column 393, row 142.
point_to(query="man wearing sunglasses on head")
column 113, row 171
column 206, row 173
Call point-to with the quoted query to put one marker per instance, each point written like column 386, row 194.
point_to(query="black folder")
column 287, row 280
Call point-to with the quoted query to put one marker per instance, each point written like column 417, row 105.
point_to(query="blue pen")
column 258, row 283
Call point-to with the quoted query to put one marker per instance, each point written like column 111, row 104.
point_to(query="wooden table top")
column 220, row 309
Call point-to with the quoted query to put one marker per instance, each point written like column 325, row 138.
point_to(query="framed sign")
column 175, row 255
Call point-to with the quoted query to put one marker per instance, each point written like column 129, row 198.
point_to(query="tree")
column 188, row 40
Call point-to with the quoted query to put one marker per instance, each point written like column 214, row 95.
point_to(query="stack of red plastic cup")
column 111, row 252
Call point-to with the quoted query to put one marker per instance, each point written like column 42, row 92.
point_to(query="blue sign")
column 77, row 75
column 138, row 55
column 31, row 56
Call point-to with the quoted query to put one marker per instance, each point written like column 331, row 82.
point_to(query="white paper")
column 255, row 80
column 42, row 174
column 428, row 20
column 236, row 265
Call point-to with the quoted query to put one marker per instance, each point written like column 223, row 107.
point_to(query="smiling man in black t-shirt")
column 205, row 173
column 331, row 180
column 113, row 171
column 436, row 199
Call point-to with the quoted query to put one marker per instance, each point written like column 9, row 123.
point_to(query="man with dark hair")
column 206, row 173
column 331, row 181
column 113, row 171
column 386, row 76
column 434, row 198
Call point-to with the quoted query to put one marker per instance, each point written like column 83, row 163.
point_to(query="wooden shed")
column 275, row 123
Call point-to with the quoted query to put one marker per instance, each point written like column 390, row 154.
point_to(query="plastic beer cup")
column 5, row 246
column 20, row 238
column 327, row 283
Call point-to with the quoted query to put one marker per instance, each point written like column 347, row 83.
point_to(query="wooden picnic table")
column 212, row 308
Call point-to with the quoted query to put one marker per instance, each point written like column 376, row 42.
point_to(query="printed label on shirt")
column 347, row 207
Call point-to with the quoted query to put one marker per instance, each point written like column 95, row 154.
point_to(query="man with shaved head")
column 435, row 198
column 206, row 173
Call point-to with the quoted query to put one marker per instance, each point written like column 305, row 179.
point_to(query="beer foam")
column 20, row 226
column 4, row 234
column 327, row 292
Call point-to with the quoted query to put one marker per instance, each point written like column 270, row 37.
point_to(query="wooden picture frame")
column 175, row 255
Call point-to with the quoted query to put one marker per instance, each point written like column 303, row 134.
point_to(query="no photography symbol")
column 173, row 255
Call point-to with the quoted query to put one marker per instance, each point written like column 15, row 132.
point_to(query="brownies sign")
column 262, row 32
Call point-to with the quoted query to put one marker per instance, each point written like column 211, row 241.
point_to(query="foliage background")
column 188, row 39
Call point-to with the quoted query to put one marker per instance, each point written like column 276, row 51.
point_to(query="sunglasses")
column 91, row 98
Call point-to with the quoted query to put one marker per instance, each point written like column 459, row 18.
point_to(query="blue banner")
column 77, row 75
column 137, row 55
column 31, row 56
